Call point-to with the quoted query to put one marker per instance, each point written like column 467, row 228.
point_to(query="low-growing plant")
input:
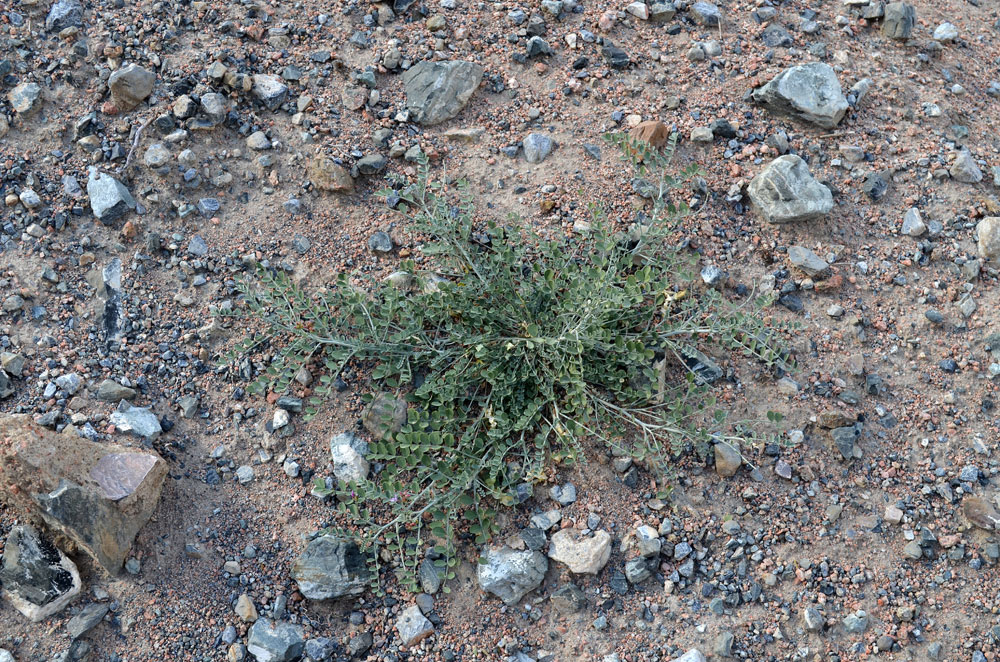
column 512, row 350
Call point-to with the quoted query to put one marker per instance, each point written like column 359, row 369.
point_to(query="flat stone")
column 581, row 554
column 86, row 620
column 807, row 261
column 438, row 91
column 98, row 495
column 112, row 391
column 785, row 192
column 810, row 92
column 511, row 574
column 693, row 655
column 385, row 416
column 37, row 579
column 913, row 223
column 330, row 568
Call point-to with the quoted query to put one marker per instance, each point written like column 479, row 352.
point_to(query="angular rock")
column 511, row 574
column 786, row 192
column 326, row 175
column 965, row 169
column 109, row 199
column 37, row 579
column 582, row 555
column 130, row 85
column 269, row 89
column 438, row 91
column 900, row 18
column 568, row 599
column 25, row 98
column 64, row 14
column 706, row 13
column 330, row 568
column 693, row 655
column 413, row 626
column 810, row 92
column 98, row 495
column 275, row 642
column 349, row 466
column 945, row 32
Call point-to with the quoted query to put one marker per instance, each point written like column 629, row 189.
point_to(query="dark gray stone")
column 36, row 577
column 86, row 620
column 330, row 568
column 64, row 14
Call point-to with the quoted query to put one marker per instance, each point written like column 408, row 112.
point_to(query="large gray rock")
column 331, row 567
column 64, row 14
column 899, row 20
column 98, row 495
column 810, row 92
column 785, row 192
column 438, row 91
column 37, row 579
column 511, row 574
column 109, row 199
column 130, row 85
column 275, row 642
column 270, row 90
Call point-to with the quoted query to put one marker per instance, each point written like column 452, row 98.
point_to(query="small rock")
column 537, row 146
column 275, row 642
column 330, row 568
column 581, row 554
column 413, row 626
column 511, row 574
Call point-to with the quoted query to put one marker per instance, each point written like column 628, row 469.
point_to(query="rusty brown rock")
column 97, row 495
column 653, row 132
column 326, row 175
column 980, row 513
